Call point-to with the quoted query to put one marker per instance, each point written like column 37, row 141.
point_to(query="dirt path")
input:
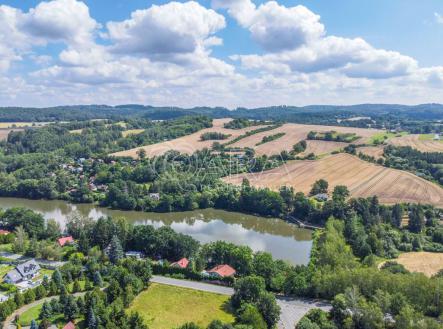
column 9, row 322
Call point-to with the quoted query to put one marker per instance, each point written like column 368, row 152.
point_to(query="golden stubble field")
column 363, row 179
column 415, row 142
column 428, row 263
column 295, row 133
column 190, row 143
column 373, row 151
column 5, row 132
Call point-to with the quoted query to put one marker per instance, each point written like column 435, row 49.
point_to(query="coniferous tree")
column 416, row 219
column 397, row 215
column 115, row 250
column 46, row 311
column 70, row 310
column 34, row 325
column 92, row 319
column 98, row 281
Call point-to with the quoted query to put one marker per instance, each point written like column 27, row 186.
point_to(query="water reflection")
column 285, row 241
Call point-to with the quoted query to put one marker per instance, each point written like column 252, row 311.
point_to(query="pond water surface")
column 283, row 240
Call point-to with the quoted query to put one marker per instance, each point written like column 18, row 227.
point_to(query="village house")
column 66, row 240
column 221, row 271
column 69, row 325
column 24, row 271
column 154, row 196
column 182, row 263
column 321, row 197
column 134, row 254
column 4, row 232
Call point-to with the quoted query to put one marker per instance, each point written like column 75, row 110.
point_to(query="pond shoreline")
column 282, row 239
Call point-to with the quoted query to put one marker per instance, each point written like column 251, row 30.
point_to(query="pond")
column 283, row 240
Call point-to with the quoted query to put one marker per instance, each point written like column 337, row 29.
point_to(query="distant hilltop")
column 282, row 112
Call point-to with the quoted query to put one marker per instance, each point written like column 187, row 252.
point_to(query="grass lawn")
column 5, row 269
column 166, row 307
column 33, row 313
column 379, row 138
column 43, row 272
column 29, row 315
column 428, row 137
column 132, row 132
column 71, row 285
column 6, row 247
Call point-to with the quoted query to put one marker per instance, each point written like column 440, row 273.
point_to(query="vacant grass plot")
column 5, row 269
column 362, row 178
column 190, row 143
column 132, row 132
column 166, row 307
column 295, row 133
column 428, row 263
column 418, row 142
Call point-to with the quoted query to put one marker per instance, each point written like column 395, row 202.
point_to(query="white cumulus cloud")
column 170, row 29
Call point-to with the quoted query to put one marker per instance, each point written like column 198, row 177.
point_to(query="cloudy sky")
column 220, row 52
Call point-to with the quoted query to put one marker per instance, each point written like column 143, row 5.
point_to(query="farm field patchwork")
column 362, row 178
column 165, row 307
column 418, row 142
column 297, row 132
column 190, row 143
column 428, row 263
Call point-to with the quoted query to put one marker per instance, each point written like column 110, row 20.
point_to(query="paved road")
column 292, row 309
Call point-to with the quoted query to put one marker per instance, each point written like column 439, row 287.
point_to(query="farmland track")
column 363, row 179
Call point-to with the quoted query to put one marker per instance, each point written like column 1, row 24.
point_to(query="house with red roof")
column 65, row 240
column 182, row 263
column 221, row 271
column 69, row 325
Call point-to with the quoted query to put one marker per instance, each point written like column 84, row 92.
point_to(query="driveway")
column 292, row 309
column 9, row 322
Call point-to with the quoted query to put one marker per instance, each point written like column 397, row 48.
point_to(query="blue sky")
column 220, row 52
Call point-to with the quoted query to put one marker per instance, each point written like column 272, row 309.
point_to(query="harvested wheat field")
column 5, row 132
column 373, row 151
column 428, row 263
column 322, row 147
column 190, row 143
column 362, row 178
column 294, row 133
column 415, row 142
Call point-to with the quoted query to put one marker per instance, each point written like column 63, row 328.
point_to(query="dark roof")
column 27, row 268
column 13, row 275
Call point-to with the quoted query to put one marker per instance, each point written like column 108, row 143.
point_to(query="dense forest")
column 416, row 119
